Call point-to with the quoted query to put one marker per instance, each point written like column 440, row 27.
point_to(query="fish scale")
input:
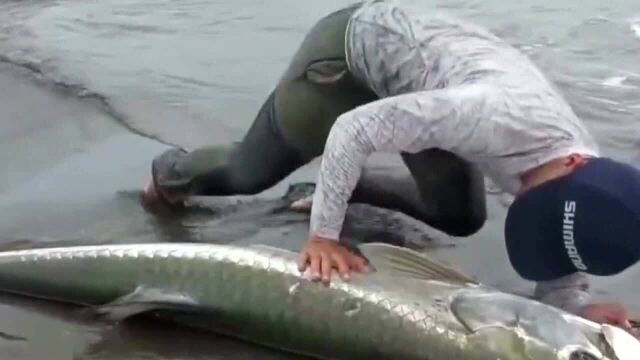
column 258, row 294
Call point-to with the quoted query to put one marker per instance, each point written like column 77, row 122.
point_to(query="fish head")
column 510, row 327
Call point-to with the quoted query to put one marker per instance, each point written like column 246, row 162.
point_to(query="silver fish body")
column 257, row 294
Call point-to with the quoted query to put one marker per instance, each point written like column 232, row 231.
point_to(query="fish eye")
column 582, row 355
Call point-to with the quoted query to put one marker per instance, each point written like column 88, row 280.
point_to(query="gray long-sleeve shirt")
column 446, row 84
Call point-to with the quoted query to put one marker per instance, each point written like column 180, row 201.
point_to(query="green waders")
column 291, row 128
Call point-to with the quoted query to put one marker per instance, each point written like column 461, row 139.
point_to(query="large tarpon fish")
column 409, row 307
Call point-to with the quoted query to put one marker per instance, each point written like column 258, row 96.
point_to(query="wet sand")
column 72, row 176
column 63, row 187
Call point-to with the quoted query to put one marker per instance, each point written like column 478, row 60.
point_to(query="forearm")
column 570, row 293
column 346, row 152
column 446, row 119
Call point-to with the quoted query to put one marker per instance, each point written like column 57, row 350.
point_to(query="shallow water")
column 80, row 81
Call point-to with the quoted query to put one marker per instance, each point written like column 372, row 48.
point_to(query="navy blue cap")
column 588, row 221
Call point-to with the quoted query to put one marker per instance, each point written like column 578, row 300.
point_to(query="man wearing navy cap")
column 457, row 103
column 586, row 221
column 450, row 85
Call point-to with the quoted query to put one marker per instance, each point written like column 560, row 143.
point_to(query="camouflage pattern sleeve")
column 448, row 119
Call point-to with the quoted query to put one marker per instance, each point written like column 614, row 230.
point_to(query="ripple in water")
column 635, row 26
column 615, row 81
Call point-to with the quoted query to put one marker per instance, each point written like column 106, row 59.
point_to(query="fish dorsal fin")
column 405, row 262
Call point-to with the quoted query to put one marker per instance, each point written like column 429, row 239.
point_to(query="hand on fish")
column 611, row 314
column 324, row 255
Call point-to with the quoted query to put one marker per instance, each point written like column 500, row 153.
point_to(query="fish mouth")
column 583, row 352
column 613, row 342
column 583, row 355
column 543, row 328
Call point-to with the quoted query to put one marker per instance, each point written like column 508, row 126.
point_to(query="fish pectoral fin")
column 404, row 262
column 144, row 300
column 122, row 312
column 478, row 311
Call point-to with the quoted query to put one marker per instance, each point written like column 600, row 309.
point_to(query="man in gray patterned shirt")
column 458, row 104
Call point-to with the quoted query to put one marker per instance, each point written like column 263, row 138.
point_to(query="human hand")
column 154, row 200
column 323, row 255
column 611, row 314
column 303, row 205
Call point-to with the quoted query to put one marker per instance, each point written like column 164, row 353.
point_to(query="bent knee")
column 461, row 226
column 252, row 185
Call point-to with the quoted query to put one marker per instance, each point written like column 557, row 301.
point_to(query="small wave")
column 602, row 100
column 10, row 337
column 623, row 79
column 615, row 81
column 65, row 87
column 635, row 27
column 118, row 28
